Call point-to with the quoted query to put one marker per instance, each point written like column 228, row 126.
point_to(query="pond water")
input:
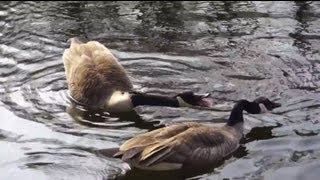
column 233, row 50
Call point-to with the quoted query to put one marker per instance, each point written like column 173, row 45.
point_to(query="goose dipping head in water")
column 96, row 79
column 188, row 145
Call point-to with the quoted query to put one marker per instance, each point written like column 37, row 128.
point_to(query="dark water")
column 232, row 49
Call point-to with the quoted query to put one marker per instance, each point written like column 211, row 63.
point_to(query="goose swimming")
column 96, row 79
column 188, row 145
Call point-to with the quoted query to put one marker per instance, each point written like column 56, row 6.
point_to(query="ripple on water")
column 233, row 50
column 307, row 171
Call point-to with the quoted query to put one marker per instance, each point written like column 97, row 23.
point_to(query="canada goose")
column 96, row 79
column 188, row 145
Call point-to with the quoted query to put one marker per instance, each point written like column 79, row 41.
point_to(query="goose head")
column 258, row 106
column 191, row 99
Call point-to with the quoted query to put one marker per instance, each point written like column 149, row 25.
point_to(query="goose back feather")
column 93, row 73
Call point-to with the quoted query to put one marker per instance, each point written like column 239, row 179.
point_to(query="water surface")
column 233, row 50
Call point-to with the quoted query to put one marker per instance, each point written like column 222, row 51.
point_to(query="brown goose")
column 96, row 79
column 188, row 144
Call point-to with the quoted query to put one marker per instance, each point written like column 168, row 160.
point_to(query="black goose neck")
column 139, row 99
column 236, row 115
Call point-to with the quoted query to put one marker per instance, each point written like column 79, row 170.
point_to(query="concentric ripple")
column 233, row 50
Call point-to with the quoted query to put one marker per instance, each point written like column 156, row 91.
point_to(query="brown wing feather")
column 156, row 136
column 154, row 141
column 207, row 145
column 93, row 73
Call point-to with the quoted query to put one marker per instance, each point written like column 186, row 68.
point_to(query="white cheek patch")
column 119, row 102
column 263, row 108
column 182, row 103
